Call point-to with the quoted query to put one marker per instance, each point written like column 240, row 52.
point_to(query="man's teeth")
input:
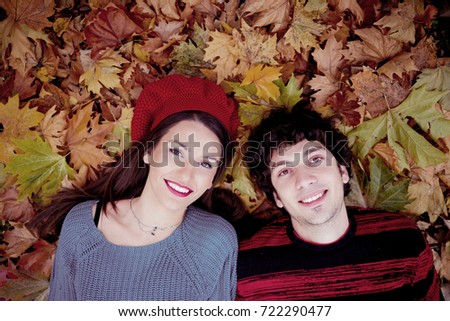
column 312, row 199
column 178, row 188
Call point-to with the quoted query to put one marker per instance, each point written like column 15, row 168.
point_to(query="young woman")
column 134, row 234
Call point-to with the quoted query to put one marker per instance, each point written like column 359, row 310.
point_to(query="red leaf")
column 111, row 26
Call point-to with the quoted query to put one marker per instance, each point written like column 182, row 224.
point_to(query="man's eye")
column 316, row 160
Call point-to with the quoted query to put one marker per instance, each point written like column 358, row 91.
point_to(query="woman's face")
column 182, row 165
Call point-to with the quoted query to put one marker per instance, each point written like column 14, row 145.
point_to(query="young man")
column 324, row 251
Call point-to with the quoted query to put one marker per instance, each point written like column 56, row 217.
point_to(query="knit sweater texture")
column 382, row 256
column 196, row 262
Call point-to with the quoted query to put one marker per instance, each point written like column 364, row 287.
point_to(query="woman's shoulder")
column 209, row 226
column 79, row 219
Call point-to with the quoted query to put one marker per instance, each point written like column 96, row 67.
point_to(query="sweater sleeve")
column 63, row 270
column 225, row 286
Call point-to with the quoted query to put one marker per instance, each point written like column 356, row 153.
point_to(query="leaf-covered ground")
column 71, row 72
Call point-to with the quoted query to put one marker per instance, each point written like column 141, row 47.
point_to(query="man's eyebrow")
column 305, row 152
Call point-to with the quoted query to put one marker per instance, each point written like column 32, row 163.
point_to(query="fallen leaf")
column 39, row 170
column 11, row 209
column 400, row 23
column 101, row 72
column 54, row 128
column 110, row 27
column 428, row 199
column 262, row 13
column 263, row 78
column 85, row 137
column 17, row 123
column 19, row 240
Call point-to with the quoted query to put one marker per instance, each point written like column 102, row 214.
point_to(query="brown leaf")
column 374, row 46
column 378, row 92
column 54, row 128
column 398, row 65
column 33, row 13
column 39, row 262
column 19, row 240
column 110, row 27
column 330, row 58
column 325, row 87
column 262, row 13
column 346, row 104
column 13, row 210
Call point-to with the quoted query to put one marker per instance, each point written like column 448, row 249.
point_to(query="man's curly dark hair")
column 280, row 129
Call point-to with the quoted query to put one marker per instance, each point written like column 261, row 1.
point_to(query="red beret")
column 177, row 93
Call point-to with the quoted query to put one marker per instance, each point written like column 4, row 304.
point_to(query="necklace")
column 150, row 229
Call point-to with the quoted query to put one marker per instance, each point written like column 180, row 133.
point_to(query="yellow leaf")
column 17, row 123
column 84, row 137
column 102, row 72
column 263, row 78
column 54, row 128
column 428, row 198
column 223, row 52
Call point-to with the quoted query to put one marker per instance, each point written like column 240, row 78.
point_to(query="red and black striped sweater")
column 383, row 256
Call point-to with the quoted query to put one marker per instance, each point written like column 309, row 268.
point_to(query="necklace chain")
column 147, row 228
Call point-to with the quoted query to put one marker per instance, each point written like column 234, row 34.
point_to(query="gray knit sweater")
column 197, row 262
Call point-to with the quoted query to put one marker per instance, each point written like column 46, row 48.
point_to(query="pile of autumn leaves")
column 71, row 73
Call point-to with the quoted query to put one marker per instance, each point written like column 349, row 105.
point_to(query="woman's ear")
column 146, row 158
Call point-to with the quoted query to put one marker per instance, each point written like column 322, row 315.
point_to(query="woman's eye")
column 283, row 172
column 206, row 165
column 175, row 151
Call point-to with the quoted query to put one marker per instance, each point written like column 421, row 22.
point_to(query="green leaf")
column 39, row 170
column 366, row 135
column 423, row 153
column 242, row 182
column 289, row 94
column 250, row 114
column 383, row 191
column 420, row 106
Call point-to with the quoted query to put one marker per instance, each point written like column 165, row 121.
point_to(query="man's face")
column 308, row 183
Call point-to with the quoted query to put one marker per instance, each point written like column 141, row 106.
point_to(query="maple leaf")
column 324, row 87
column 379, row 93
column 400, row 23
column 436, row 79
column 262, row 13
column 24, row 21
column 39, row 170
column 352, row 5
column 39, row 262
column 374, row 46
column 19, row 240
column 232, row 56
column 102, row 71
column 120, row 138
column 17, row 123
column 110, row 27
column 398, row 65
column 25, row 287
column 241, row 178
column 347, row 106
column 290, row 94
column 330, row 58
column 401, row 137
column 263, row 78
column 54, row 127
column 84, row 135
column 303, row 32
column 428, row 198
column 223, row 52
column 383, row 192
column 13, row 210
column 251, row 115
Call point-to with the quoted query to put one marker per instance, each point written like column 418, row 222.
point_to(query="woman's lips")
column 177, row 189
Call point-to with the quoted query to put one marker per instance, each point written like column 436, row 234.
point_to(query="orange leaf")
column 84, row 136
